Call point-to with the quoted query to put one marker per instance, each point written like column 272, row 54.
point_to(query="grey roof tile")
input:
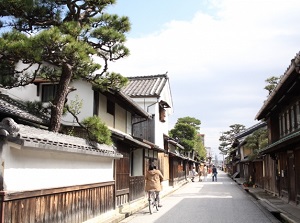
column 145, row 86
column 30, row 137
column 10, row 106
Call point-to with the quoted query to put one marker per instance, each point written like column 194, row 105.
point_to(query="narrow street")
column 213, row 202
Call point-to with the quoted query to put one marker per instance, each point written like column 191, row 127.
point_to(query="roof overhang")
column 282, row 144
column 286, row 86
column 250, row 130
column 126, row 102
column 128, row 139
column 175, row 143
column 152, row 145
column 30, row 138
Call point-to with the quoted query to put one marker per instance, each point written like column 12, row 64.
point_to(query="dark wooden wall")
column 269, row 178
column 60, row 205
column 297, row 169
column 137, row 187
column 122, row 176
column 128, row 188
column 144, row 129
column 258, row 173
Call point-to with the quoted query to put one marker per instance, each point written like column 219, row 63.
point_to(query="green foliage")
column 228, row 137
column 36, row 107
column 248, row 184
column 61, row 41
column 199, row 147
column 190, row 121
column 186, row 135
column 256, row 141
column 185, row 130
column 75, row 106
column 272, row 83
column 97, row 130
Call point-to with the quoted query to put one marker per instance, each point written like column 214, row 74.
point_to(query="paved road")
column 213, row 202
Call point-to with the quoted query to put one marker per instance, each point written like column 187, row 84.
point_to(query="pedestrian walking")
column 205, row 172
column 201, row 173
column 214, row 173
column 193, row 174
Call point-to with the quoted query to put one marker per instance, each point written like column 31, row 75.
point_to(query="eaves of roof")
column 175, row 143
column 246, row 160
column 146, row 86
column 280, row 144
column 250, row 130
column 177, row 154
column 126, row 102
column 30, row 137
column 153, row 146
column 128, row 139
column 15, row 109
column 286, row 83
column 140, row 111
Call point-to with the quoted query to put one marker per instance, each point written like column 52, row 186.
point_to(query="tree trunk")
column 60, row 98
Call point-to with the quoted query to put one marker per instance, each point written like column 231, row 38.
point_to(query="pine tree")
column 227, row 138
column 57, row 40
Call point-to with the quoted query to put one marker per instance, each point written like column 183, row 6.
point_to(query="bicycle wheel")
column 156, row 205
column 155, row 201
column 150, row 201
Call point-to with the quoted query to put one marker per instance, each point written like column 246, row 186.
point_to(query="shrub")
column 97, row 130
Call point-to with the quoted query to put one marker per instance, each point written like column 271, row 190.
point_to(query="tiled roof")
column 10, row 106
column 30, row 137
column 250, row 130
column 145, row 86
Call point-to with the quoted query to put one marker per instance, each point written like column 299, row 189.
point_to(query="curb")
column 286, row 218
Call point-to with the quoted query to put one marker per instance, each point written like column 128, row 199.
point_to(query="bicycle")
column 152, row 200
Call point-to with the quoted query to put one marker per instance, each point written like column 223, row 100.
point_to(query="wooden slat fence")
column 60, row 205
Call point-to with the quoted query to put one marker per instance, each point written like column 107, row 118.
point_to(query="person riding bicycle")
column 153, row 182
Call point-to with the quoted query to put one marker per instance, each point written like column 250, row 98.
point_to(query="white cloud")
column 219, row 61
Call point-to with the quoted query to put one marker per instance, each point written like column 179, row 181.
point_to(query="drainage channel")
column 277, row 215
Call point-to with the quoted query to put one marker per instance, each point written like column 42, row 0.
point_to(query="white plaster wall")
column 28, row 93
column 167, row 97
column 107, row 118
column 148, row 104
column 129, row 123
column 120, row 118
column 138, row 162
column 85, row 94
column 31, row 169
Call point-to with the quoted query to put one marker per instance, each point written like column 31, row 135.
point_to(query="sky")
column 217, row 54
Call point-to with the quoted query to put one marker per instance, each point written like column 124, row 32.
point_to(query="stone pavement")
column 120, row 214
column 289, row 213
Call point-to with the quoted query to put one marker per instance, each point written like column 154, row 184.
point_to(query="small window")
column 48, row 92
column 110, row 107
column 162, row 114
